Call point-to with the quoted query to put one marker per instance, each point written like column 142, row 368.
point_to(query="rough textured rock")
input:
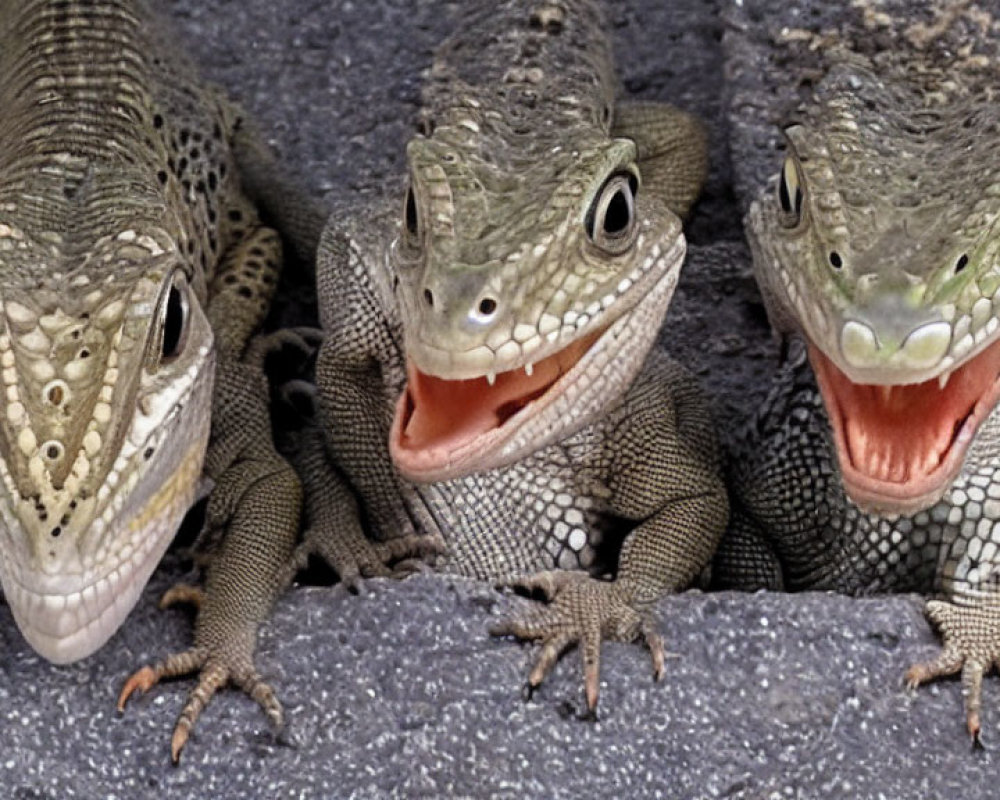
column 400, row 692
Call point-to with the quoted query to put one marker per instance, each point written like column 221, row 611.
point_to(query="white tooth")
column 529, row 368
column 491, row 378
column 943, row 379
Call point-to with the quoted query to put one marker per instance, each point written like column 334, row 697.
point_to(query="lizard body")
column 133, row 270
column 486, row 379
column 873, row 465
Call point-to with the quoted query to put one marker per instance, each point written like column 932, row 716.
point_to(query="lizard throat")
column 446, row 428
column 900, row 446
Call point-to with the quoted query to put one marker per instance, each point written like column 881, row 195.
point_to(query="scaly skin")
column 877, row 246
column 486, row 383
column 133, row 270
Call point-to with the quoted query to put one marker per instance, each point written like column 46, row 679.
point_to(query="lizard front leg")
column 665, row 473
column 333, row 524
column 253, row 512
column 345, row 464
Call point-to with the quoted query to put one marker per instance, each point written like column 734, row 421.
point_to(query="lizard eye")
column 610, row 221
column 790, row 193
column 174, row 314
column 411, row 219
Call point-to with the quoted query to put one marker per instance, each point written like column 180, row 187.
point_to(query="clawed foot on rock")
column 971, row 645
column 579, row 610
column 228, row 660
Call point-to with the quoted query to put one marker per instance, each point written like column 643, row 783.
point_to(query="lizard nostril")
column 429, row 297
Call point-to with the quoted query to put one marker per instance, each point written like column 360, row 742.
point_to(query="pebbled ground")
column 400, row 692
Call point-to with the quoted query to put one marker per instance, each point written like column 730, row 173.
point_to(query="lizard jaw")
column 66, row 617
column 529, row 411
column 901, row 446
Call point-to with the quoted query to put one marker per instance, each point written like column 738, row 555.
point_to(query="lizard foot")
column 971, row 645
column 305, row 341
column 355, row 557
column 217, row 667
column 579, row 609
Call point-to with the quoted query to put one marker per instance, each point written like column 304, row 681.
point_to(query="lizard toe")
column 182, row 594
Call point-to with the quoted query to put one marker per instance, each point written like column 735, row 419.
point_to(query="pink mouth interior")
column 440, row 415
column 907, row 434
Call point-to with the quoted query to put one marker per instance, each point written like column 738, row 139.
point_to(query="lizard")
column 873, row 464
column 133, row 271
column 486, row 384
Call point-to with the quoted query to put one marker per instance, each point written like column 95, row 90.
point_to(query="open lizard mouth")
column 441, row 423
column 901, row 446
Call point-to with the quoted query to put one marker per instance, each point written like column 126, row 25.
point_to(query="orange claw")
column 143, row 679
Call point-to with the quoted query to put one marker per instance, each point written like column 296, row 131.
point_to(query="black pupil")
column 411, row 212
column 487, row 306
column 786, row 201
column 789, row 204
column 618, row 215
column 173, row 324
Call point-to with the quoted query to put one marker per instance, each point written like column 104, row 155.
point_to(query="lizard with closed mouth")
column 133, row 271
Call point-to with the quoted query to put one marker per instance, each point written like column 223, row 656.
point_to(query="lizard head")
column 880, row 245
column 532, row 283
column 107, row 384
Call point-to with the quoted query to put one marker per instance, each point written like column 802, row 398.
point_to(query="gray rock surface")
column 400, row 692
